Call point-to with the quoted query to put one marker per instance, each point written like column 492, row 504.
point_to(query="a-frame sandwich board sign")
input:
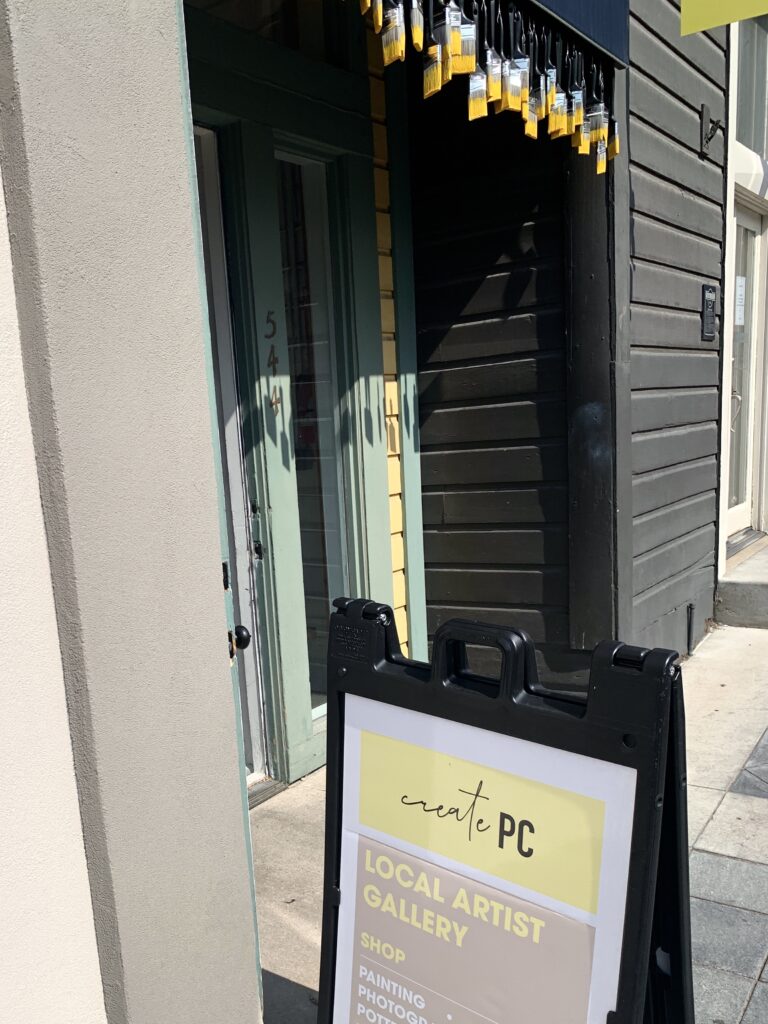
column 497, row 852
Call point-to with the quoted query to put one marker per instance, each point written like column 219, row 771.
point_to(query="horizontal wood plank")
column 667, row 328
column 489, row 250
column 673, row 407
column 675, row 205
column 542, row 504
column 658, row 368
column 664, row 487
column 530, row 546
column 658, row 106
column 671, row 630
column 672, row 558
column 660, row 448
column 493, row 422
column 538, row 586
column 545, row 625
column 497, row 379
column 673, row 593
column 495, row 336
column 660, row 525
column 701, row 53
column 475, row 297
column 660, row 154
column 527, row 463
column 671, row 247
column 654, row 285
column 657, row 58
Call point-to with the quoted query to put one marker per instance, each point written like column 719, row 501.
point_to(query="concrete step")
column 742, row 597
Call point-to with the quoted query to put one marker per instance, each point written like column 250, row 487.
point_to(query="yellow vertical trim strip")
column 388, row 323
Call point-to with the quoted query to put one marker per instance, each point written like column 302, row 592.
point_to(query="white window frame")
column 747, row 187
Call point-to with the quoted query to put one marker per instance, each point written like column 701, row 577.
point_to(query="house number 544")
column 272, row 362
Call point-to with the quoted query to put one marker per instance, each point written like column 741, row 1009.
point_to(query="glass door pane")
column 315, row 433
column 742, row 367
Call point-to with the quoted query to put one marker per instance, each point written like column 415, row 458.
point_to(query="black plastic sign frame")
column 632, row 715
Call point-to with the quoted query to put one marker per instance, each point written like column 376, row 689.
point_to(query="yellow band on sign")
column 699, row 15
column 541, row 837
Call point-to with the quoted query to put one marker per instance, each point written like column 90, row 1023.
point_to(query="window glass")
column 742, row 365
column 753, row 75
column 317, row 432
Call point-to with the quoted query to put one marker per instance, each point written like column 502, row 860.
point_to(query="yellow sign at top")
column 543, row 838
column 699, row 15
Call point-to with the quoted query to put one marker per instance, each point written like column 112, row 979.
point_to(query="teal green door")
column 299, row 216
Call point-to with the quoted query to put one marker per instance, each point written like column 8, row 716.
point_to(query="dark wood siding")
column 676, row 244
column 488, row 234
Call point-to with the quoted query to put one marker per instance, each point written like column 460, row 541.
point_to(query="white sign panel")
column 483, row 877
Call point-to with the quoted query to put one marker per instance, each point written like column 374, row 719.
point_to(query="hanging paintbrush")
column 558, row 115
column 602, row 126
column 465, row 63
column 568, row 86
column 504, row 102
column 597, row 116
column 433, row 63
column 492, row 58
column 594, row 106
column 536, row 94
column 538, row 64
column 393, row 32
column 550, row 70
column 520, row 65
column 573, row 93
column 442, row 34
column 454, row 24
column 478, row 82
column 582, row 137
column 578, row 89
column 417, row 25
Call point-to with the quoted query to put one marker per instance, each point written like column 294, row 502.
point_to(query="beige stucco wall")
column 49, row 968
column 95, row 134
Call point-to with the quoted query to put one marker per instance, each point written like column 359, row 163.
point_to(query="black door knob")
column 242, row 638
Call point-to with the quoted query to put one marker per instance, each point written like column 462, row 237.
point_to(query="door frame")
column 750, row 513
column 747, row 172
column 252, row 117
column 239, row 568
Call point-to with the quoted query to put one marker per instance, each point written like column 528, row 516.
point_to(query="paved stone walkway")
column 726, row 692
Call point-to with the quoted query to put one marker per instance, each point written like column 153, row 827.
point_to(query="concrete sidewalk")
column 726, row 694
column 726, row 690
